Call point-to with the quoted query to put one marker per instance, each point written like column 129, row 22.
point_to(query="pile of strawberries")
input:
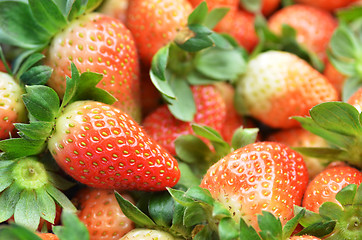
column 180, row 119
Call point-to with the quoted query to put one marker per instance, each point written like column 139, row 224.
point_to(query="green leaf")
column 26, row 210
column 319, row 229
column 252, row 5
column 244, row 136
column 331, row 210
column 42, row 102
column 290, row 226
column 337, row 117
column 220, row 64
column 215, row 16
column 19, row 27
column 219, row 210
column 58, row 181
column 344, row 44
column 205, row 233
column 358, row 196
column 183, row 106
column 223, row 41
column 347, row 194
column 8, row 200
column 188, row 178
column 60, row 198
column 330, row 154
column 28, row 63
column 194, row 214
column 5, row 181
column 48, row 15
column 18, row 147
column 81, row 7
column 270, row 226
column 208, row 133
column 17, row 232
column 158, row 69
column 46, row 205
column 228, row 229
column 350, row 86
column 178, row 220
column 194, row 39
column 38, row 75
column 198, row 15
column 64, row 6
column 343, row 65
column 200, row 194
column 309, row 217
column 180, row 197
column 247, row 232
column 133, row 213
column 160, row 208
column 72, row 227
column 34, row 130
column 192, row 149
column 197, row 78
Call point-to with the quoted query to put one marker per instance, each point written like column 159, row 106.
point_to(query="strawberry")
column 115, row 8
column 304, row 237
column 314, row 26
column 12, row 109
column 155, row 23
column 98, row 209
column 278, row 85
column 93, row 41
column 47, row 236
column 324, row 187
column 327, row 5
column 299, row 137
column 261, row 176
column 162, row 126
column 148, row 234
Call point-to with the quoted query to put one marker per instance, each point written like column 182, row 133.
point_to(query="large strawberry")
column 265, row 176
column 327, row 5
column 93, row 41
column 98, row 209
column 278, row 85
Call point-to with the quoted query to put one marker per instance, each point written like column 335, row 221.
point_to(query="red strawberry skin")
column 155, row 23
column 101, row 146
column 101, row 44
column 162, row 126
column 326, row 4
column 325, row 186
column 12, row 109
column 98, row 209
column 260, row 176
column 47, row 236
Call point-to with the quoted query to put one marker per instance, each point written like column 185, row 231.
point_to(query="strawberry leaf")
column 228, row 229
column 309, row 217
column 323, row 153
column 34, row 130
column 330, row 210
column 17, row 232
column 160, row 208
column 358, row 196
column 188, row 177
column 180, row 197
column 248, row 232
column 205, row 233
column 198, row 15
column 270, row 226
column 133, row 213
column 252, row 5
column 194, row 214
column 290, row 226
column 72, row 227
column 38, row 75
column 215, row 16
column 28, row 63
column 46, row 205
column 349, row 14
column 192, row 149
column 48, row 15
column 350, row 86
column 319, row 229
column 27, row 211
column 200, row 194
column 60, row 198
column 244, row 136
column 18, row 147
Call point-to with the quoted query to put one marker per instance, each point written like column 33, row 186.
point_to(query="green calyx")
column 340, row 125
column 336, row 221
column 197, row 56
column 29, row 173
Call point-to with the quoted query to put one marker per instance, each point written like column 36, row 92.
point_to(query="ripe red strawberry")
column 264, row 176
column 115, row 8
column 98, row 209
column 47, row 236
column 327, row 5
column 163, row 127
column 269, row 6
column 148, row 234
column 101, row 44
column 211, row 4
column 155, row 23
column 12, row 109
column 299, row 137
column 314, row 26
column 325, row 186
column 101, row 146
column 278, row 85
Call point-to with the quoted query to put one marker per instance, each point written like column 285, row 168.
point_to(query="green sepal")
column 319, row 229
column 191, row 149
column 160, row 208
column 290, row 226
column 247, row 232
column 42, row 102
column 8, row 200
column 309, row 217
column 205, row 233
column 244, row 136
column 347, row 194
column 46, row 205
column 20, row 61
column 58, row 181
column 72, row 227
column 219, row 211
column 358, row 196
column 38, row 75
column 200, row 194
column 5, row 174
column 80, row 7
column 330, row 154
column 196, row 78
column 228, row 229
column 60, row 198
column 194, row 215
column 27, row 63
column 133, row 213
column 26, row 211
column 14, row 148
column 83, row 87
column 19, row 27
column 252, row 5
column 215, row 16
column 350, row 86
column 48, row 15
column 183, row 106
column 330, row 210
column 198, row 15
column 188, row 177
column 17, row 232
column 34, row 130
column 270, row 226
column 195, row 38
column 178, row 219
column 180, row 197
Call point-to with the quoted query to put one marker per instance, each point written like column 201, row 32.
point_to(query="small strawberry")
column 278, row 85
column 47, row 236
column 163, row 127
column 155, row 23
column 98, row 209
column 327, row 5
column 148, row 234
column 264, row 176
column 324, row 187
column 314, row 27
